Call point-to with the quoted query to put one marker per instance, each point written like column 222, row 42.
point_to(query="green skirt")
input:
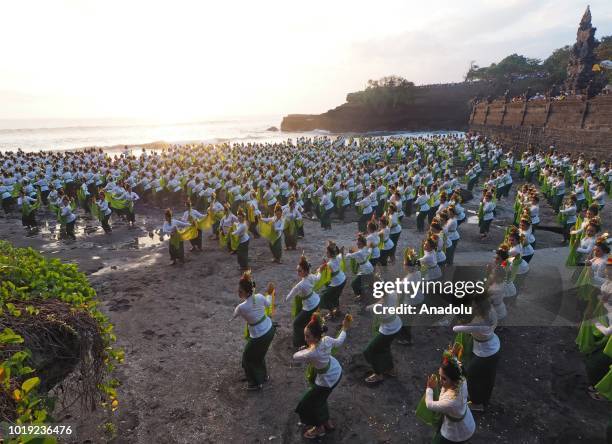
column 597, row 366
column 254, row 357
column 356, row 284
column 363, row 222
column 312, row 408
column 277, row 249
column 176, row 251
column 290, row 238
column 326, row 218
column 378, row 353
column 242, row 253
column 330, row 296
column 481, row 377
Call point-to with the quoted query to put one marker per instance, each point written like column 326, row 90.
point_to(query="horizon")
column 153, row 63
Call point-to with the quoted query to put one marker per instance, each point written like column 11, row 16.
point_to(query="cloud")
column 483, row 31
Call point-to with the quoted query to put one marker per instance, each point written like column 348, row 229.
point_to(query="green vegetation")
column 387, row 93
column 556, row 65
column 47, row 312
column 512, row 66
column 604, row 52
column 553, row 69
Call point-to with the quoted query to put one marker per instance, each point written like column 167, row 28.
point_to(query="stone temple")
column 582, row 58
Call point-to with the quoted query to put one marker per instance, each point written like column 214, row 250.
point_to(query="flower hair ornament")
column 410, row 257
column 452, row 355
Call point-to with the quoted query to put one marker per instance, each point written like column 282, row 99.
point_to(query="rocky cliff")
column 434, row 107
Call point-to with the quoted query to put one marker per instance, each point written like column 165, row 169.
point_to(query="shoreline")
column 275, row 136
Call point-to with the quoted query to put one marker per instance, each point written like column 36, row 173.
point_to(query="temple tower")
column 582, row 58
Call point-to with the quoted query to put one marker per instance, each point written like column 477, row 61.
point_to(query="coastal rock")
column 272, row 128
column 434, row 107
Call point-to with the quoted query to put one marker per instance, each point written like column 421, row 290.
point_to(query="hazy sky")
column 178, row 60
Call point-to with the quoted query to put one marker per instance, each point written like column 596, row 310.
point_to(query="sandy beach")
column 182, row 380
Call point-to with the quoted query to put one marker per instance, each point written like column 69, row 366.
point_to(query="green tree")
column 386, row 93
column 556, row 65
column 604, row 52
column 511, row 66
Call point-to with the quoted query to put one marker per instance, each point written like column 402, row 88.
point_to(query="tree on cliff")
column 604, row 52
column 556, row 65
column 386, row 93
column 604, row 49
column 512, row 67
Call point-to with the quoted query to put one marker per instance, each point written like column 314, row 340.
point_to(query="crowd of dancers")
column 235, row 193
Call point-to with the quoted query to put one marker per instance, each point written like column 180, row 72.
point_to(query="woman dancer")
column 395, row 229
column 527, row 238
column 242, row 232
column 411, row 265
column 378, row 352
column 104, row 212
column 306, row 300
column 422, row 205
column 451, row 230
column 189, row 216
column 312, row 408
column 458, row 424
column 485, row 353
column 387, row 243
column 261, row 331
column 170, row 228
column 568, row 217
column 67, row 217
column 365, row 269
column 330, row 296
column 488, row 206
column 293, row 217
column 373, row 240
column 278, row 225
column 429, row 260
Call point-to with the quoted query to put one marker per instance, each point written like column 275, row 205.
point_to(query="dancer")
column 170, row 228
column 413, row 274
column 312, row 408
column 261, row 330
column 273, row 231
column 305, row 300
column 395, row 228
column 378, row 352
column 67, row 217
column 482, row 366
column 486, row 215
column 429, row 261
column 364, row 268
column 104, row 212
column 190, row 216
column 242, row 232
column 330, row 296
column 422, row 205
column 458, row 423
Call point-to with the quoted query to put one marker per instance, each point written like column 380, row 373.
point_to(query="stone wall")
column 574, row 124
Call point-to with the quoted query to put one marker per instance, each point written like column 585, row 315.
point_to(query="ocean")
column 62, row 134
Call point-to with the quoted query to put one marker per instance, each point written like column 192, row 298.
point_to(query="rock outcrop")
column 582, row 57
column 435, row 107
